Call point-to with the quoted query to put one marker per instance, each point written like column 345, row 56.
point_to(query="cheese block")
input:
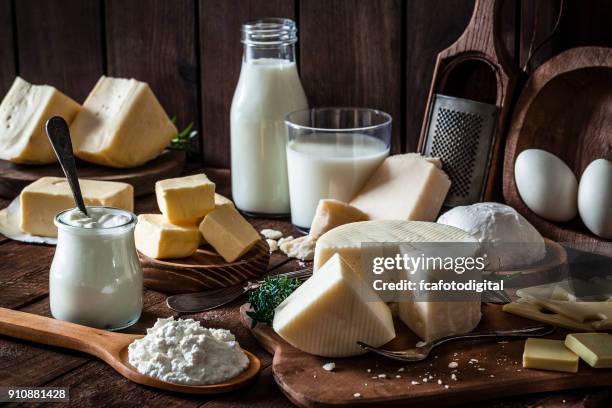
column 23, row 113
column 122, row 124
column 185, row 199
column 332, row 213
column 594, row 348
column 222, row 200
column 331, row 311
column 228, row 232
column 157, row 238
column 545, row 354
column 47, row 196
column 404, row 187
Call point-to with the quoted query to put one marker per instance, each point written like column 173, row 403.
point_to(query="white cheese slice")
column 331, row 311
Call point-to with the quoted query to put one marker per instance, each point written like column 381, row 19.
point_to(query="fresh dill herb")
column 182, row 141
column 268, row 296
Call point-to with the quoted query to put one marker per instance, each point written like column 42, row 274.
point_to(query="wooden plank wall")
column 375, row 53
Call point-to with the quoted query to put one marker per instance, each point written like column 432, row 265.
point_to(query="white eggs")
column 595, row 198
column 546, row 185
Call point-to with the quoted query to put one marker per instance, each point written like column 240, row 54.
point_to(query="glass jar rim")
column 270, row 31
column 60, row 223
column 290, row 119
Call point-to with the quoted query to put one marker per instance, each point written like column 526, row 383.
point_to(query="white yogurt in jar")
column 95, row 278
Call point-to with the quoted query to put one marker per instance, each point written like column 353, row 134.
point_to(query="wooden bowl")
column 565, row 108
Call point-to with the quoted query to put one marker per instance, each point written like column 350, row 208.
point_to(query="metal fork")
column 211, row 299
column 421, row 353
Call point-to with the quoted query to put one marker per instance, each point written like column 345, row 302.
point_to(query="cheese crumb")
column 481, row 368
column 473, row 360
column 301, row 248
column 421, row 343
column 439, row 382
column 446, row 386
column 398, row 376
column 329, row 366
column 272, row 244
column 382, row 375
column 401, row 369
column 286, row 239
column 357, row 395
column 453, row 377
column 424, row 379
column 369, row 370
column 271, row 233
column 414, row 383
column 453, row 364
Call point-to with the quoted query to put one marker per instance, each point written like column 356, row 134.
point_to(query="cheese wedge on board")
column 545, row 354
column 228, row 232
column 332, row 213
column 157, row 238
column 23, row 113
column 185, row 199
column 122, row 124
column 47, row 196
column 594, row 348
column 331, row 311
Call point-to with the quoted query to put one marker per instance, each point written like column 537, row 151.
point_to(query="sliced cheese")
column 23, row 113
column 185, row 199
column 331, row 311
column 228, row 232
column 534, row 312
column 597, row 314
column 157, row 238
column 594, row 348
column 47, row 196
column 545, row 354
column 404, row 187
column 332, row 213
column 122, row 124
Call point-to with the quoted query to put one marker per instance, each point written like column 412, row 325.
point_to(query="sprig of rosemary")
column 182, row 140
column 268, row 296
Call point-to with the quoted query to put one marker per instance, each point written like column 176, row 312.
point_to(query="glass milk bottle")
column 269, row 88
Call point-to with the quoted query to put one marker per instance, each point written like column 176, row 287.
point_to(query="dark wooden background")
column 373, row 53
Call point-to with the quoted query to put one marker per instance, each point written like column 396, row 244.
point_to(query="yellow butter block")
column 220, row 201
column 47, row 196
column 157, row 238
column 594, row 348
column 185, row 199
column 228, row 232
column 545, row 354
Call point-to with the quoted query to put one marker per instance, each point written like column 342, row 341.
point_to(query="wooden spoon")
column 110, row 347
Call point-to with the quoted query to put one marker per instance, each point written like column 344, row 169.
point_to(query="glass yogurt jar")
column 95, row 278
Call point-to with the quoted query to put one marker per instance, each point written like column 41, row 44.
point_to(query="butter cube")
column 23, row 113
column 47, row 196
column 594, row 348
column 550, row 355
column 222, row 200
column 185, row 199
column 228, row 232
column 332, row 213
column 157, row 238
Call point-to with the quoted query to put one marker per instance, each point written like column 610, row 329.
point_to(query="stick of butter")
column 552, row 355
column 185, row 199
column 594, row 348
column 157, row 238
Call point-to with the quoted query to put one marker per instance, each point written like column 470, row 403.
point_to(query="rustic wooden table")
column 24, row 286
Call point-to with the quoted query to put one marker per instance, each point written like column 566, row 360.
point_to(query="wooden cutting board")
column 497, row 373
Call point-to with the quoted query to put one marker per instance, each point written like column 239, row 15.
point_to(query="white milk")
column 329, row 165
column 268, row 89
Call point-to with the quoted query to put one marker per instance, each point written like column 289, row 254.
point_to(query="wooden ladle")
column 110, row 347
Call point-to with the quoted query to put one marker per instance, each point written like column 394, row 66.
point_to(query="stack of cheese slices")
column 193, row 214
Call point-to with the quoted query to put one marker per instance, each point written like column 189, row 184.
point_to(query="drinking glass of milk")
column 269, row 87
column 331, row 153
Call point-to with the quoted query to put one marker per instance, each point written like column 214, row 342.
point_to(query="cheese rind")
column 331, row 311
column 23, row 113
column 404, row 187
column 594, row 348
column 122, row 124
column 228, row 232
column 47, row 196
column 185, row 199
column 545, row 354
column 332, row 213
column 159, row 239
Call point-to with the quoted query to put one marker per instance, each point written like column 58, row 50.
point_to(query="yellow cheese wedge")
column 332, row 213
column 228, row 232
column 545, row 354
column 47, row 196
column 157, row 238
column 331, row 311
column 594, row 348
column 185, row 199
column 23, row 113
column 122, row 124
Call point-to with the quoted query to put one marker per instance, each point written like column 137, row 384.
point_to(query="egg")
column 547, row 186
column 595, row 198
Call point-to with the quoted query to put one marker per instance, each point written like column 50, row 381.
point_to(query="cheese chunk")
column 122, row 124
column 404, row 187
column 594, row 348
column 228, row 232
column 332, row 213
column 552, row 355
column 185, row 199
column 331, row 311
column 23, row 114
column 222, row 200
column 47, row 196
column 157, row 238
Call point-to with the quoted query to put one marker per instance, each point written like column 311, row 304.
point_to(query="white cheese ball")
column 508, row 239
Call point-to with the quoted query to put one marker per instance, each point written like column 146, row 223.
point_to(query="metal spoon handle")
column 535, row 331
column 59, row 136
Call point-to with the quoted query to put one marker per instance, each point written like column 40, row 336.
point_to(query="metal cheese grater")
column 461, row 133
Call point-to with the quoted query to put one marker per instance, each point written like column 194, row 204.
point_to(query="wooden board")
column 204, row 270
column 14, row 177
column 303, row 380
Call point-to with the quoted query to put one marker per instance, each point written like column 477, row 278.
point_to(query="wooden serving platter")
column 170, row 163
column 497, row 373
column 204, row 270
